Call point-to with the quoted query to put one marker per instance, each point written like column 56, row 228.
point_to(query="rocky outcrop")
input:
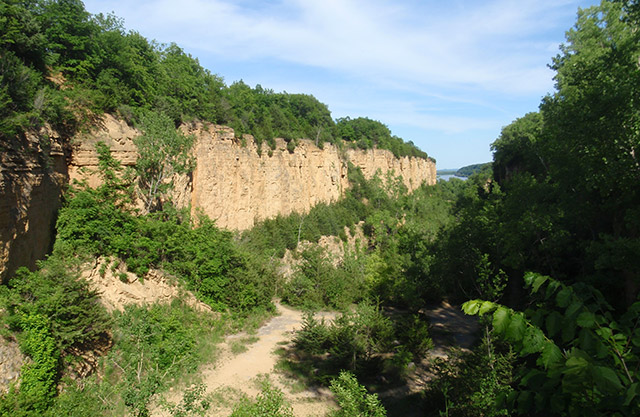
column 118, row 287
column 11, row 361
column 236, row 185
column 33, row 173
column 117, row 134
column 233, row 182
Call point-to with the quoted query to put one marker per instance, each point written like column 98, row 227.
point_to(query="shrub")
column 75, row 316
column 313, row 337
column 353, row 399
column 355, row 337
column 38, row 378
column 269, row 403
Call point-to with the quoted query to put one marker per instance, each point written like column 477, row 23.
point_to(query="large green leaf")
column 501, row 319
column 554, row 323
column 471, row 307
column 517, row 328
column 606, row 379
column 537, row 282
column 533, row 340
column 563, row 298
column 586, row 319
column 551, row 355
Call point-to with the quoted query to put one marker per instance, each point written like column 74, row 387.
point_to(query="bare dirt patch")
column 238, row 375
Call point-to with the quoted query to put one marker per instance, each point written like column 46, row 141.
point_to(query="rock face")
column 11, row 360
column 32, row 175
column 236, row 186
column 233, row 183
column 113, row 132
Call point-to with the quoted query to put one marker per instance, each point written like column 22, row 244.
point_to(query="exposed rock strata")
column 236, row 186
column 233, row 183
column 113, row 132
column 32, row 175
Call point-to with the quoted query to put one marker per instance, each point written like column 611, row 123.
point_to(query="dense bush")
column 269, row 403
column 56, row 316
column 473, row 383
column 351, row 339
column 317, row 283
column 366, row 134
column 353, row 399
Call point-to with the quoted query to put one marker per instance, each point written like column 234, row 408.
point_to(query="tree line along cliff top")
column 63, row 65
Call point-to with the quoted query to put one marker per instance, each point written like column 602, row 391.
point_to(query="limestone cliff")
column 32, row 176
column 236, row 185
column 233, row 183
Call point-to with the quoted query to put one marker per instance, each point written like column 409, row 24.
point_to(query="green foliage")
column 58, row 293
column 351, row 340
column 269, row 403
column 518, row 148
column 472, row 383
column 153, row 346
column 317, row 283
column 192, row 403
column 367, row 133
column 587, row 361
column 313, row 337
column 568, row 173
column 353, row 399
column 413, row 334
column 38, row 378
column 355, row 337
column 469, row 170
column 163, row 151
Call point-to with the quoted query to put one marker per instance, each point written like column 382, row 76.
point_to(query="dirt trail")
column 236, row 375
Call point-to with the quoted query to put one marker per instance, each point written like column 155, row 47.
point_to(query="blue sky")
column 447, row 75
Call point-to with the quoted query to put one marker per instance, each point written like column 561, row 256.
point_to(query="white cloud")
column 454, row 69
column 483, row 45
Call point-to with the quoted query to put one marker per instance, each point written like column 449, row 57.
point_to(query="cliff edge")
column 233, row 183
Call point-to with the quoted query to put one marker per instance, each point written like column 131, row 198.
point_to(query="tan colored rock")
column 116, row 134
column 11, row 361
column 118, row 287
column 33, row 173
column 236, row 186
column 232, row 183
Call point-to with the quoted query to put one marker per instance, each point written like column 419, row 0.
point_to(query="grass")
column 240, row 345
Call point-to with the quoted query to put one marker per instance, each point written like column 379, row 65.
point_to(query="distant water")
column 447, row 176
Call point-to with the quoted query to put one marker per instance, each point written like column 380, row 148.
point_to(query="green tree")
column 517, row 148
column 578, row 359
column 592, row 139
column 164, row 151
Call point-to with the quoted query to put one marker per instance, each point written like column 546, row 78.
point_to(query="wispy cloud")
column 479, row 44
column 461, row 67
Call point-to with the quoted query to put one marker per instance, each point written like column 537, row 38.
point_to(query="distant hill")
column 447, row 171
column 469, row 170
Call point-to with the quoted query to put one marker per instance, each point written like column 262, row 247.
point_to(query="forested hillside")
column 63, row 66
column 469, row 170
column 544, row 248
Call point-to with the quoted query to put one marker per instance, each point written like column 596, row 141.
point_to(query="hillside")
column 513, row 293
column 73, row 79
